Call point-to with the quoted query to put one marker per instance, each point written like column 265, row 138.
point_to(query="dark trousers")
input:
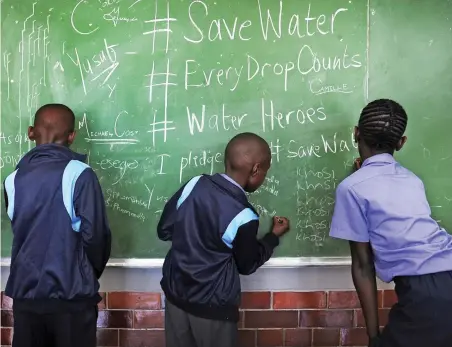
column 75, row 329
column 423, row 315
column 185, row 330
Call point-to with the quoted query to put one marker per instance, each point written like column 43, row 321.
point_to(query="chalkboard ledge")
column 283, row 262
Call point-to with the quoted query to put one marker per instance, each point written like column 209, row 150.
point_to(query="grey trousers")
column 185, row 330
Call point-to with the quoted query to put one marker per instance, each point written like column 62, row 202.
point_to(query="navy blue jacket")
column 62, row 240
column 213, row 230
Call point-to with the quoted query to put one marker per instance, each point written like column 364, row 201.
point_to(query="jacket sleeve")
column 5, row 196
column 89, row 206
column 168, row 217
column 251, row 253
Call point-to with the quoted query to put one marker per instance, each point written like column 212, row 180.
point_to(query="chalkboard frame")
column 279, row 262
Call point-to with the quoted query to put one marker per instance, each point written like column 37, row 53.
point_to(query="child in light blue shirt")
column 383, row 211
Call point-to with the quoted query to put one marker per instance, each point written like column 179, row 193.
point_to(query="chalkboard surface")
column 160, row 87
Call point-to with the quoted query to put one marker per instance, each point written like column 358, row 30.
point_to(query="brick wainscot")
column 268, row 319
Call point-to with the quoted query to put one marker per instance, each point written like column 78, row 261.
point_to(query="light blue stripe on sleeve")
column 187, row 190
column 71, row 173
column 247, row 215
column 10, row 192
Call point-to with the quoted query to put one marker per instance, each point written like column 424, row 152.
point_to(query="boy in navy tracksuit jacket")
column 61, row 238
column 213, row 230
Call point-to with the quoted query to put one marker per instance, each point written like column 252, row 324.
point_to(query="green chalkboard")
column 410, row 61
column 160, row 87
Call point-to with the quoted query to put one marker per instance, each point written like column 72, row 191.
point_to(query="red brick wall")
column 268, row 319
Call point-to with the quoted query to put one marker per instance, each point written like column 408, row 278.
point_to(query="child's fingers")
column 281, row 220
column 278, row 220
column 357, row 163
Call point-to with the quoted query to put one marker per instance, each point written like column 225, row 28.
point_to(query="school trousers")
column 422, row 317
column 185, row 330
column 71, row 329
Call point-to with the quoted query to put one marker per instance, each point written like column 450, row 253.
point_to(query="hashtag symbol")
column 162, row 126
column 275, row 149
column 166, row 83
column 157, row 30
column 165, row 125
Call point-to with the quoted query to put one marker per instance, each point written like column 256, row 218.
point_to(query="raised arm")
column 251, row 253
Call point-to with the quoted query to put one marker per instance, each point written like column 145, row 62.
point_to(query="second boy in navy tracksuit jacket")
column 213, row 231
column 220, row 257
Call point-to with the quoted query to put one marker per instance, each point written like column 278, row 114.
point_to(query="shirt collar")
column 232, row 181
column 380, row 158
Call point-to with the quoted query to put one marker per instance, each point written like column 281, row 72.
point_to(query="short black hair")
column 235, row 148
column 382, row 124
column 59, row 108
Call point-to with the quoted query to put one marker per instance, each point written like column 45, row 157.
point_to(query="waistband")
column 49, row 306
column 442, row 274
column 437, row 285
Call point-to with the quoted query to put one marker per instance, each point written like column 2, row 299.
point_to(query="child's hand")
column 357, row 163
column 280, row 226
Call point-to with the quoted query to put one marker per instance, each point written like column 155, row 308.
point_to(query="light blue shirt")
column 232, row 181
column 385, row 204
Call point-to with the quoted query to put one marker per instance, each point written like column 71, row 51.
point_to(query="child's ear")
column 401, row 143
column 31, row 133
column 356, row 134
column 255, row 169
column 71, row 138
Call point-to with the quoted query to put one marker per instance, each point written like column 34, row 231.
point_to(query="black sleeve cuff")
column 271, row 239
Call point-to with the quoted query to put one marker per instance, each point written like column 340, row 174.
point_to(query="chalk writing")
column 156, row 21
column 9, row 160
column 6, row 63
column 116, row 136
column 75, row 11
column 8, row 139
column 205, row 160
column 315, row 199
column 99, row 68
column 218, row 29
column 115, row 17
column 159, row 90
column 122, row 166
column 317, row 87
column 224, row 121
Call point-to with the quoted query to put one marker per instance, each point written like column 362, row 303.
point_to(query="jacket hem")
column 222, row 313
column 48, row 306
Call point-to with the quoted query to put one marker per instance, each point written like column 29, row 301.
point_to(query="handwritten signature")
column 114, row 17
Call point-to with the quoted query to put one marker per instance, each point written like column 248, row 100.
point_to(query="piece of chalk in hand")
column 280, row 221
column 358, row 163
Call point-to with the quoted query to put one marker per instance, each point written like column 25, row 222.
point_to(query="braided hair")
column 382, row 124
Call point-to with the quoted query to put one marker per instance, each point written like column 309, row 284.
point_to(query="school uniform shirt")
column 213, row 230
column 61, row 240
column 385, row 204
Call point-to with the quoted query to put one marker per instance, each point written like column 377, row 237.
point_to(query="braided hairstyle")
column 382, row 124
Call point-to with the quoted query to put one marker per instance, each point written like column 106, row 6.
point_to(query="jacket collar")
column 232, row 181
column 49, row 152
column 233, row 189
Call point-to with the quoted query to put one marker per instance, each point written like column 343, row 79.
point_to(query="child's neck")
column 368, row 153
column 237, row 177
